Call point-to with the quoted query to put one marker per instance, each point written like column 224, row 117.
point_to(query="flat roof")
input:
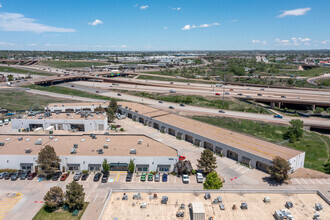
column 118, row 145
column 66, row 116
column 78, row 104
column 240, row 141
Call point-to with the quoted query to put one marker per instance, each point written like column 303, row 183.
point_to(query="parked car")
column 143, row 177
column 129, row 177
column 56, row 176
column 217, row 93
column 64, row 176
column 77, row 176
column 31, row 176
column 2, row 174
column 118, row 94
column 97, row 177
column 105, row 178
column 185, row 178
column 157, row 177
column 182, row 105
column 8, row 175
column 182, row 157
column 16, row 175
column 244, row 205
column 199, row 177
column 150, row 177
column 160, row 101
column 84, row 176
column 164, row 177
column 278, row 116
column 171, row 107
column 25, row 174
column 222, row 111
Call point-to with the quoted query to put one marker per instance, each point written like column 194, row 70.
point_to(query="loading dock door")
column 171, row 131
column 189, row 138
column 118, row 166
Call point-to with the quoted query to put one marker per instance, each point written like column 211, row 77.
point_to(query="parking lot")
column 303, row 206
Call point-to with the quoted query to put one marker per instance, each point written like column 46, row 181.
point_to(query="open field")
column 58, row 214
column 19, row 100
column 303, row 206
column 314, row 144
column 23, row 71
column 71, row 64
column 325, row 82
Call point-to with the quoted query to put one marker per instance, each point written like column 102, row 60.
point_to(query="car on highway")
column 182, row 105
column 150, row 177
column 118, row 94
column 105, row 178
column 72, row 85
column 222, row 111
column 227, row 93
column 143, row 177
column 25, row 174
column 278, row 116
column 164, row 177
column 77, row 176
column 2, row 175
column 160, row 101
column 157, row 177
column 185, row 178
column 64, row 176
column 239, row 94
column 259, row 94
column 283, row 96
column 31, row 176
column 97, row 177
column 129, row 177
column 84, row 176
column 217, row 93
column 171, row 107
column 56, row 176
column 97, row 91
column 248, row 96
column 262, row 89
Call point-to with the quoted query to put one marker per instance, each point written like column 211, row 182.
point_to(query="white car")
column 185, row 178
column 199, row 178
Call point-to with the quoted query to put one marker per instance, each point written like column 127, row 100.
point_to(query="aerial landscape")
column 190, row 109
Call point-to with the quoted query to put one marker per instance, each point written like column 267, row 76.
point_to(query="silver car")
column 77, row 176
column 2, row 175
column 157, row 177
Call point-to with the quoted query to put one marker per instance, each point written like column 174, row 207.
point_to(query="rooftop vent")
column 108, row 140
column 51, row 137
column 105, row 146
column 100, row 151
column 28, row 139
column 38, row 143
column 75, row 146
column 140, row 141
column 20, row 139
column 73, row 150
column 28, row 150
column 67, row 114
column 82, row 140
column 2, row 143
column 40, row 139
column 132, row 151
column 8, row 139
column 71, row 116
column 56, row 140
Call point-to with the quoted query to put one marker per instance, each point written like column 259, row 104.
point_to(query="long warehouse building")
column 242, row 148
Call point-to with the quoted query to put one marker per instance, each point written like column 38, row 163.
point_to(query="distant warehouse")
column 76, row 107
column 87, row 152
column 245, row 149
column 62, row 121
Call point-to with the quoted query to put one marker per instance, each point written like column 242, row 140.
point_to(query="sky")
column 134, row 25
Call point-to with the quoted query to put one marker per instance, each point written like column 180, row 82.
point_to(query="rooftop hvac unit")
column 38, row 143
column 67, row 114
column 82, row 140
column 28, row 150
column 8, row 139
column 105, row 146
column 140, row 141
column 20, row 139
column 93, row 136
column 28, row 139
column 40, row 139
column 132, row 151
column 73, row 150
column 75, row 146
column 2, row 143
column 136, row 111
column 55, row 139
column 108, row 140
column 51, row 137
column 100, row 151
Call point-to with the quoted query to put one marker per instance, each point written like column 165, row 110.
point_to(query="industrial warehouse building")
column 62, row 121
column 76, row 107
column 242, row 148
column 87, row 152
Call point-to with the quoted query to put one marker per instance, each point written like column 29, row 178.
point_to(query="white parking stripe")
column 88, row 196
column 302, row 179
column 244, row 171
column 311, row 181
column 105, row 197
column 297, row 181
column 318, row 181
column 96, row 197
column 327, row 181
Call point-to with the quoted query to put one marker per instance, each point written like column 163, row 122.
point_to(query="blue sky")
column 115, row 25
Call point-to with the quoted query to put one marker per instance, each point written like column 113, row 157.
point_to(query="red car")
column 217, row 93
column 182, row 157
column 64, row 176
column 30, row 176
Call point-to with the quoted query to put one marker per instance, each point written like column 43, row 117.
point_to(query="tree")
column 212, row 181
column 99, row 109
column 54, row 197
column 74, row 196
column 295, row 131
column 326, row 166
column 48, row 161
column 106, row 166
column 207, row 162
column 113, row 105
column 111, row 110
column 183, row 167
column 131, row 166
column 280, row 169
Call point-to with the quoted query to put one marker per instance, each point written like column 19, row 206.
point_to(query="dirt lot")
column 303, row 206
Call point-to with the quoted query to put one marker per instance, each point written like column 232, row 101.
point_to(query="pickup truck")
column 199, row 178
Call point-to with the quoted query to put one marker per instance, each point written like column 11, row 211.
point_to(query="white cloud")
column 96, row 22
column 176, row 9
column 325, row 41
column 144, row 7
column 188, row 26
column 165, row 28
column 263, row 42
column 17, row 22
column 294, row 41
column 0, row 5
column 31, row 45
column 6, row 44
column 295, row 12
column 234, row 20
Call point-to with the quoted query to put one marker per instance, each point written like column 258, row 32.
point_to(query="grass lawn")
column 22, row 71
column 212, row 102
column 68, row 91
column 159, row 78
column 18, row 100
column 311, row 72
column 58, row 215
column 325, row 82
column 314, row 144
column 71, row 64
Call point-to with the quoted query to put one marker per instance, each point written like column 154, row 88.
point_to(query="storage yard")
column 303, row 206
